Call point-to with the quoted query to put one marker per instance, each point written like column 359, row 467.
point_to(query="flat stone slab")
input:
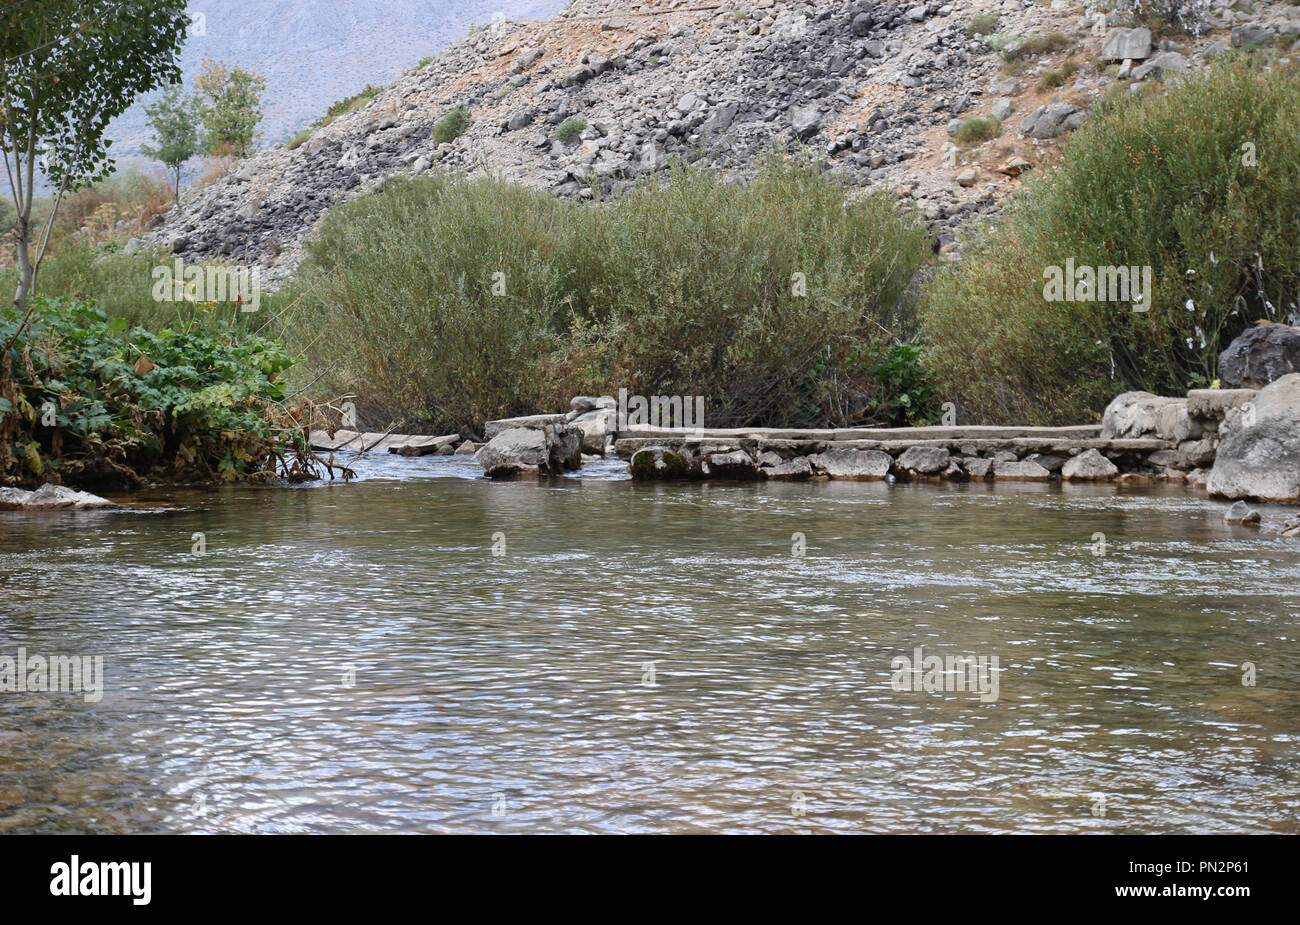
column 404, row 444
column 51, row 498
column 528, row 422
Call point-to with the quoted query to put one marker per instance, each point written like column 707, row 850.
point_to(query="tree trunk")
column 26, row 272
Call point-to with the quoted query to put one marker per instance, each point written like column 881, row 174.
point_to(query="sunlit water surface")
column 650, row 658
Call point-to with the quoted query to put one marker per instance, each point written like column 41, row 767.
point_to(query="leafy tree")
column 175, row 122
column 230, row 103
column 69, row 67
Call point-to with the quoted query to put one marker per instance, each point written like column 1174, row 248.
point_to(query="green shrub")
column 349, row 104
column 451, row 126
column 1051, row 80
column 297, row 140
column 1165, row 183
column 771, row 298
column 977, row 130
column 202, row 408
column 982, row 24
column 1014, row 48
column 570, row 128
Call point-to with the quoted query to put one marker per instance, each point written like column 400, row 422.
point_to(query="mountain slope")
column 874, row 89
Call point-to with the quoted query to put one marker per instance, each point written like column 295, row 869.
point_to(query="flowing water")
column 425, row 651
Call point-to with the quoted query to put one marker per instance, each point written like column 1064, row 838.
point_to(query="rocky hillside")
column 609, row 91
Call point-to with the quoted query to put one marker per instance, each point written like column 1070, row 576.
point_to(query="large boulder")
column 1260, row 355
column 1259, row 455
column 524, row 451
column 1140, row 414
column 1126, row 43
column 51, row 498
column 848, row 463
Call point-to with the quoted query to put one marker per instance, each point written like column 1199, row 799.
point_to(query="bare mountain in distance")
column 314, row 52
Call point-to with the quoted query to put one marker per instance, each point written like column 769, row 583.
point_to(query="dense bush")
column 443, row 302
column 1202, row 184
column 128, row 405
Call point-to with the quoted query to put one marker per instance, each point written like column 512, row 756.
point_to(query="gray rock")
column 581, row 404
column 977, row 467
column 1253, row 34
column 1050, row 463
column 1126, row 43
column 1134, row 415
column 526, row 60
column 531, row 451
column 1024, row 470
column 1089, row 466
column 862, row 24
column 1193, row 454
column 595, row 425
column 734, row 465
column 1167, row 62
column 658, row 463
column 578, row 75
column 922, row 460
column 528, row 422
column 468, row 448
column 796, row 469
column 1259, row 455
column 1211, row 405
column 1242, row 513
column 564, row 448
column 805, row 121
column 520, row 119
column 720, row 119
column 1261, row 354
column 51, row 498
column 653, row 157
column 847, row 463
column 514, row 451
column 1047, row 121
column 1003, row 107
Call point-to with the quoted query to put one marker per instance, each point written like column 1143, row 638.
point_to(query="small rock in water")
column 1242, row 513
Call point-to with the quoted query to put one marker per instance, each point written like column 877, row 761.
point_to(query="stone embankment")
column 910, row 453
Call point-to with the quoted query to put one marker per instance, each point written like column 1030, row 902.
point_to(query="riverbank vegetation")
column 95, row 403
column 442, row 302
column 1201, row 184
column 446, row 302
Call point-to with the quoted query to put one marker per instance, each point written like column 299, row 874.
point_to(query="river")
column 425, row 651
